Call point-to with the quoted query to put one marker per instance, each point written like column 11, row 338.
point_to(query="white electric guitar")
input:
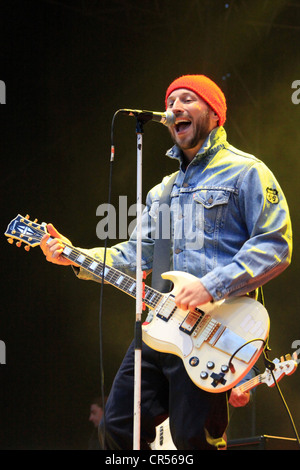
column 163, row 439
column 218, row 343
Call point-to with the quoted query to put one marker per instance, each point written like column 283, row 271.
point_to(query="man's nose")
column 177, row 106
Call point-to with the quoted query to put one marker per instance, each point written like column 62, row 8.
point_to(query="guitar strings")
column 250, row 384
column 113, row 276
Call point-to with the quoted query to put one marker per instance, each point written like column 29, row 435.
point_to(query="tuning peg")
column 27, row 247
column 27, row 216
column 288, row 357
column 10, row 240
column 19, row 244
column 35, row 221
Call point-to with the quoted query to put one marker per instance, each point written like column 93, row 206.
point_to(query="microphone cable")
column 112, row 155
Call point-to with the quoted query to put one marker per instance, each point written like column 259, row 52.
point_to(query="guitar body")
column 206, row 339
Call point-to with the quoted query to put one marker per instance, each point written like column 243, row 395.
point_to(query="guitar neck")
column 250, row 384
column 111, row 275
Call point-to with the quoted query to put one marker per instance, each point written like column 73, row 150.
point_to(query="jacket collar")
column 213, row 143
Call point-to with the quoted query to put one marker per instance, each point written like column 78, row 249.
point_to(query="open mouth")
column 182, row 125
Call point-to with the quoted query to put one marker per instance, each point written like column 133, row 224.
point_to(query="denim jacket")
column 230, row 222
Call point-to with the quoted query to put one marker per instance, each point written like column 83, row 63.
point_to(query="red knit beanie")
column 206, row 89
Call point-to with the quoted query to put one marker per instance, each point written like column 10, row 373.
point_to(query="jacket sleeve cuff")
column 214, row 286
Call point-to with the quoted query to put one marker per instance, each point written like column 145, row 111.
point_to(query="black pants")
column 166, row 390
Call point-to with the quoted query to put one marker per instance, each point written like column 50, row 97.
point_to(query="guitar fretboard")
column 24, row 230
column 111, row 275
column 245, row 387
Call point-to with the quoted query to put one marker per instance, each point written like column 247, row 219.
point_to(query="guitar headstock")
column 25, row 231
column 287, row 365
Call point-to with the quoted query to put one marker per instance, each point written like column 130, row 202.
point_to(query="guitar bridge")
column 229, row 342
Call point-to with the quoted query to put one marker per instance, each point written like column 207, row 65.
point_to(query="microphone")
column 167, row 118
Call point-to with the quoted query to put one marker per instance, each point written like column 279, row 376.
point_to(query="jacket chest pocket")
column 214, row 205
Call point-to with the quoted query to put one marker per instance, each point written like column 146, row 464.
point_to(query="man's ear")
column 215, row 116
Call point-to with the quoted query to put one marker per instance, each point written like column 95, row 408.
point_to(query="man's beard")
column 202, row 129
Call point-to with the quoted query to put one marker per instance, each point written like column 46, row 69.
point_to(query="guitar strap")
column 162, row 246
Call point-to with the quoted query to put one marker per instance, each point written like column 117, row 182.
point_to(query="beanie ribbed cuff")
column 206, row 89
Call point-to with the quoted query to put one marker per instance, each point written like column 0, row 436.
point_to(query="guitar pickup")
column 191, row 321
column 166, row 308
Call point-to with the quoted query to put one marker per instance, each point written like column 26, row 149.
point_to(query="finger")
column 182, row 302
column 239, row 399
column 47, row 244
column 184, row 298
column 55, row 255
column 53, row 232
column 55, row 248
column 184, row 307
column 43, row 243
column 193, row 303
column 52, row 248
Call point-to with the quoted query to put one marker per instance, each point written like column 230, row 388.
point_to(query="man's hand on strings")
column 53, row 248
column 192, row 295
column 239, row 398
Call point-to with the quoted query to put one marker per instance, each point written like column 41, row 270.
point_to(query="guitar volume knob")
column 210, row 365
column 203, row 375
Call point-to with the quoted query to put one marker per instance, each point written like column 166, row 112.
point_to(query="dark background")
column 68, row 66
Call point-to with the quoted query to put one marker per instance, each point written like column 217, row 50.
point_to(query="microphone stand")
column 141, row 119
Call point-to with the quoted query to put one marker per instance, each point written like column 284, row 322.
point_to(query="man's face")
column 95, row 414
column 194, row 120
